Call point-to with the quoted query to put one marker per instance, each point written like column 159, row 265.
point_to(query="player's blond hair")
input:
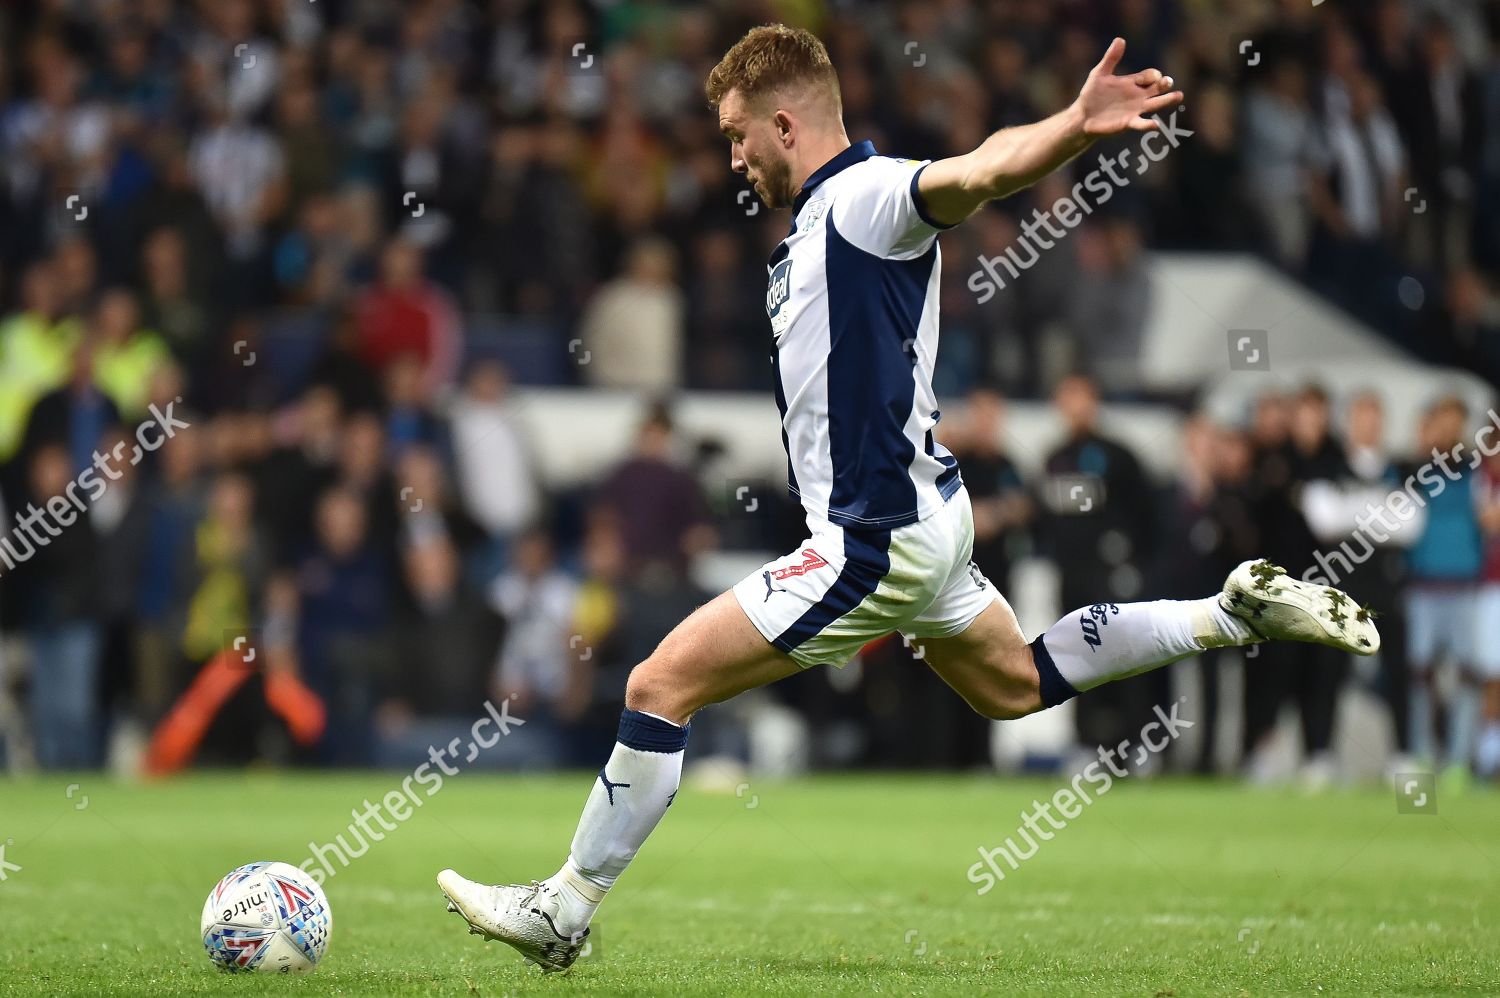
column 771, row 59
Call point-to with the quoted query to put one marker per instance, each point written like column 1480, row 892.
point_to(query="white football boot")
column 519, row 915
column 1278, row 607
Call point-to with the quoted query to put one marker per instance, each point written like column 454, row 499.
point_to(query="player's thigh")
column 715, row 654
column 988, row 663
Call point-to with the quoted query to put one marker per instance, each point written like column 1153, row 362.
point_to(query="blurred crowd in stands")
column 327, row 236
column 539, row 180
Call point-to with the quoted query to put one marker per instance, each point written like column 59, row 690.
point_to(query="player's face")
column 755, row 151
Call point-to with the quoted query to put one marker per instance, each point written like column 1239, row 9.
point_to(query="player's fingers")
column 1144, row 125
column 1112, row 56
column 1148, row 77
column 1162, row 102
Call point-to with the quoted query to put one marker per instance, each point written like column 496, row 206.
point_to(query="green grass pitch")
column 830, row 885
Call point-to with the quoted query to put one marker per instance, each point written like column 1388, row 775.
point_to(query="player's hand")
column 1110, row 104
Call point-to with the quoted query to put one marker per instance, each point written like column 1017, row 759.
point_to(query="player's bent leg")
column 1000, row 676
column 989, row 664
column 711, row 656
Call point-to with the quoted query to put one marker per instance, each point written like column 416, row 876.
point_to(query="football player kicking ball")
column 853, row 305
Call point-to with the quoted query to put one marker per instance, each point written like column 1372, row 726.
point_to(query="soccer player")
column 853, row 304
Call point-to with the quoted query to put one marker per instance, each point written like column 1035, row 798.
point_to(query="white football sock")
column 630, row 795
column 1108, row 641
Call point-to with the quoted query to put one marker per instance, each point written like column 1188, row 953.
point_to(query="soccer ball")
column 266, row 917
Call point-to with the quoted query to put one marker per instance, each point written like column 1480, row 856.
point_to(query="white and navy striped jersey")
column 853, row 303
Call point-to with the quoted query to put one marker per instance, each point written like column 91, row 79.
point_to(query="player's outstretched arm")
column 1015, row 158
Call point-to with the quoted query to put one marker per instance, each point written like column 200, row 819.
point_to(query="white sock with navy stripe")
column 1108, row 641
column 630, row 795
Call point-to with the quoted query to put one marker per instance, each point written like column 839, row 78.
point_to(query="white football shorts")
column 842, row 589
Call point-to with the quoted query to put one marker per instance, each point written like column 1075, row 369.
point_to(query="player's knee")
column 652, row 689
column 646, row 688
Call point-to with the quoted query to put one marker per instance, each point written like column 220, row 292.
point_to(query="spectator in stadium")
column 1234, row 509
column 53, row 591
column 364, row 471
column 36, row 350
column 1207, row 207
column 126, row 357
column 409, row 421
column 632, row 327
column 1003, row 506
column 313, row 156
column 57, row 138
column 175, row 501
column 342, row 369
column 1100, row 530
column 656, row 503
column 172, row 306
column 345, row 590
column 171, row 198
column 1313, row 674
column 443, row 619
column 599, row 620
column 228, row 569
column 1444, row 129
column 119, row 517
column 1445, row 565
column 426, row 505
column 496, row 476
column 1281, row 525
column 1282, row 152
column 76, row 264
column 241, row 171
column 1212, row 532
column 130, row 79
column 299, row 467
column 432, row 162
column 1486, row 239
column 1368, row 564
column 1006, row 329
column 1468, row 321
column 529, row 185
column 75, row 416
column 406, row 314
column 1487, row 611
column 1004, row 512
column 1110, row 303
column 247, row 77
column 540, row 668
column 726, row 337
column 1359, row 202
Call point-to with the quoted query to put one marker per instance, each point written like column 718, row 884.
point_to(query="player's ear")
column 783, row 123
